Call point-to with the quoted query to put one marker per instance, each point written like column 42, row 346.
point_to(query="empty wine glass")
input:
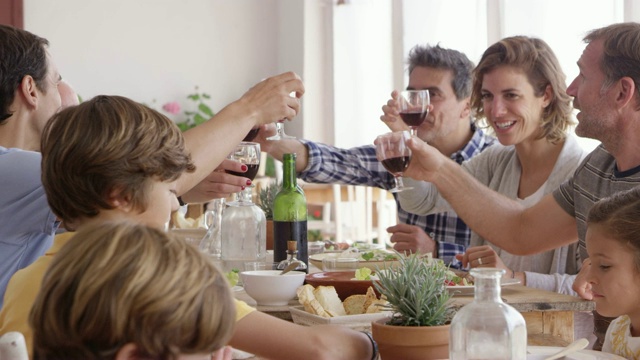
column 414, row 107
column 247, row 153
column 395, row 155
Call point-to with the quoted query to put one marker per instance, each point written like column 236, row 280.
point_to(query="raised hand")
column 426, row 160
column 391, row 116
column 271, row 99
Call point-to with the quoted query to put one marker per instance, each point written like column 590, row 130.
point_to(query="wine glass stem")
column 280, row 128
column 399, row 183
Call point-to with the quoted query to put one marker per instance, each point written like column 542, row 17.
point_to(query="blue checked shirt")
column 359, row 166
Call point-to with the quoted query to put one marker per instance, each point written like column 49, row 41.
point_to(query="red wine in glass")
column 251, row 134
column 413, row 107
column 396, row 165
column 394, row 155
column 413, row 118
column 252, row 171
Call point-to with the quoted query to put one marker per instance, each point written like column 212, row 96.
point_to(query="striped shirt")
column 359, row 166
column 596, row 178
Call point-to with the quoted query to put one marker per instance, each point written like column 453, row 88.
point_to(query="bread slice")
column 328, row 298
column 375, row 306
column 370, row 298
column 308, row 300
column 354, row 304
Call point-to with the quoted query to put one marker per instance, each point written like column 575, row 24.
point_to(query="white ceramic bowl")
column 267, row 287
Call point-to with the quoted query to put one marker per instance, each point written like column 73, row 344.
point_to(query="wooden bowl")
column 341, row 280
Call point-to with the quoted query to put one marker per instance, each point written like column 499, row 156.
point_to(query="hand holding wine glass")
column 414, row 107
column 280, row 135
column 247, row 153
column 395, row 155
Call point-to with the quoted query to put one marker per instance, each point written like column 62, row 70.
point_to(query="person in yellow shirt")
column 112, row 159
column 125, row 290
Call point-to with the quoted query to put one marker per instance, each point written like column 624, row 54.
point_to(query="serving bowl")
column 268, row 287
column 342, row 281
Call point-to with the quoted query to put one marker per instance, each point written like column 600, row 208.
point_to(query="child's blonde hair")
column 619, row 215
column 115, row 284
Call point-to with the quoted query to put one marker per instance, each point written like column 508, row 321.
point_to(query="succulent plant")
column 416, row 291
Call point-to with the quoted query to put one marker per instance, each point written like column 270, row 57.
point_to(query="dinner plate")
column 580, row 355
column 468, row 290
column 316, row 260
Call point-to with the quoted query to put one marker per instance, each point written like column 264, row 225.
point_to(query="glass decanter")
column 292, row 256
column 488, row 328
column 243, row 233
column 211, row 243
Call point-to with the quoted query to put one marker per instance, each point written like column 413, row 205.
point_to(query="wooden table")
column 549, row 315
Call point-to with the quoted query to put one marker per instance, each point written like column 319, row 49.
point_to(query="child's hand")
column 581, row 285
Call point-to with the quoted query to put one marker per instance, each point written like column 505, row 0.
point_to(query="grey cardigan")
column 498, row 168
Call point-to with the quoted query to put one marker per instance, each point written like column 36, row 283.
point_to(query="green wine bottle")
column 290, row 214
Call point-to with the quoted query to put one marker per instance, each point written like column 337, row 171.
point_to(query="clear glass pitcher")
column 488, row 328
column 243, row 233
column 211, row 243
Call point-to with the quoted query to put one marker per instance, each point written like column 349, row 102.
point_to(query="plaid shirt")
column 359, row 166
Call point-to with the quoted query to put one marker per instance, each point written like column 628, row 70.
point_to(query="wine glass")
column 395, row 155
column 280, row 135
column 247, row 153
column 414, row 107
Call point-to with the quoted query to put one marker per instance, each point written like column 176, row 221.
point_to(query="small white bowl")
column 268, row 287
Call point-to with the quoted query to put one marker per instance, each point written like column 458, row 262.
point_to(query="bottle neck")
column 487, row 284
column 244, row 197
column 289, row 172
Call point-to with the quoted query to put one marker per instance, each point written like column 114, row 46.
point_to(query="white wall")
column 162, row 49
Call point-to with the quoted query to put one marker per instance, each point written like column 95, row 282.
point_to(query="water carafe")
column 487, row 328
column 243, row 233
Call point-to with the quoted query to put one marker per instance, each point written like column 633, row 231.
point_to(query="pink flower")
column 171, row 107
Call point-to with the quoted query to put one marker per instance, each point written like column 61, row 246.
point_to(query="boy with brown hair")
column 112, row 159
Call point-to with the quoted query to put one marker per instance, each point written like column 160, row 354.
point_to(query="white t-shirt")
column 619, row 341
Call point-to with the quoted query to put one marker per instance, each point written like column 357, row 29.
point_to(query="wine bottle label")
column 284, row 231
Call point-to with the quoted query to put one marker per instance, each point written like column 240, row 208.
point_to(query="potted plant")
column 417, row 295
column 266, row 196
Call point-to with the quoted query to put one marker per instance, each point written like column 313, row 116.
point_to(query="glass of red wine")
column 414, row 107
column 395, row 155
column 247, row 153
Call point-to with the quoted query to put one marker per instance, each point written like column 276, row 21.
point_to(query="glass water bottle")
column 290, row 214
column 243, row 233
column 487, row 328
column 211, row 243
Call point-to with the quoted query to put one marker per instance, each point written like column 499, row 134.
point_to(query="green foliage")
column 202, row 114
column 266, row 197
column 416, row 292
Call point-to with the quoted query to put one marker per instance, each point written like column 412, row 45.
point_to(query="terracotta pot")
column 411, row 342
column 269, row 234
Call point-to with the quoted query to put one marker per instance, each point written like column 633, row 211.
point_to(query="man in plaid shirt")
column 447, row 75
